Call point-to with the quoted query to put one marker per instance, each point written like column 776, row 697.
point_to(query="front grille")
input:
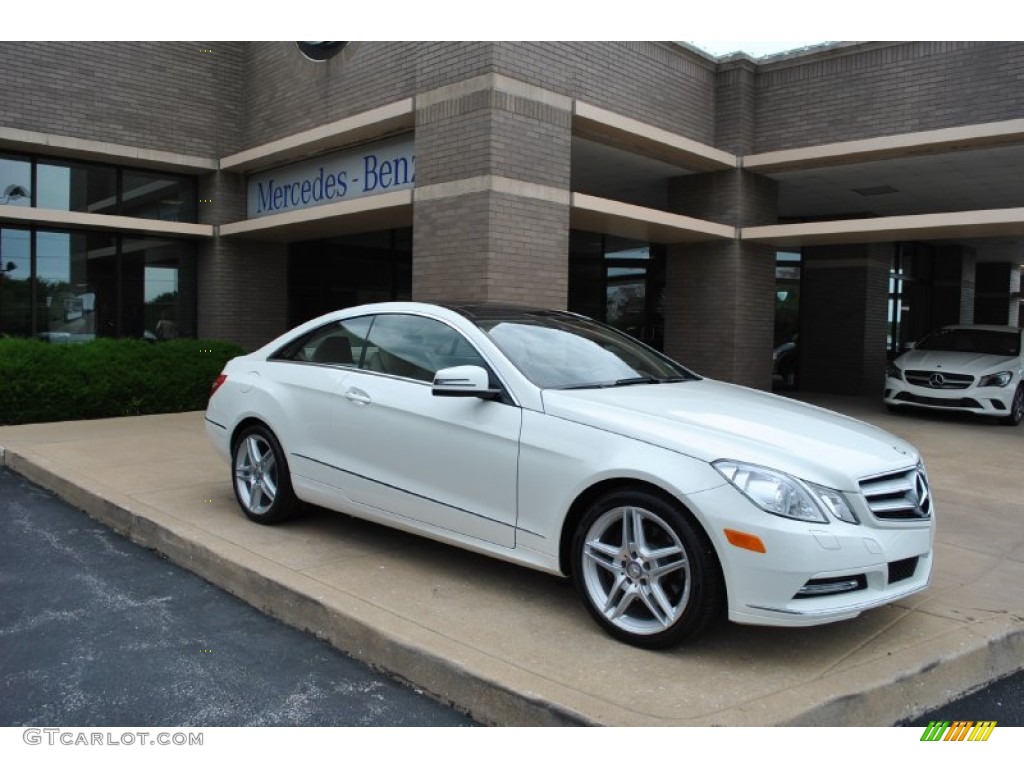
column 901, row 570
column 943, row 402
column 898, row 496
column 939, row 379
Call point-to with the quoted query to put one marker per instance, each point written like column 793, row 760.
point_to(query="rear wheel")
column 1016, row 408
column 646, row 570
column 261, row 480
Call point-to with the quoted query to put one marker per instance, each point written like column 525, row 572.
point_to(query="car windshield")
column 562, row 351
column 979, row 341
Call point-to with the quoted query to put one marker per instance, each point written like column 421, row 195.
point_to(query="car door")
column 306, row 378
column 447, row 462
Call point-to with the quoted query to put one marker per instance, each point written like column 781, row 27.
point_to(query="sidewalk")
column 514, row 647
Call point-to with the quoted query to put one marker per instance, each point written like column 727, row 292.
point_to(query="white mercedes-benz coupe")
column 550, row 440
column 970, row 368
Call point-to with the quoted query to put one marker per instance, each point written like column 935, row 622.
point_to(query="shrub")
column 106, row 377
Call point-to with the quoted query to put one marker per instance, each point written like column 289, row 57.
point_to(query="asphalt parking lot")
column 515, row 647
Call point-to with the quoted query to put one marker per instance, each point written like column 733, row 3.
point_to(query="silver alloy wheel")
column 636, row 571
column 256, row 477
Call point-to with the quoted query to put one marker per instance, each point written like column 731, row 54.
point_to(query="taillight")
column 217, row 382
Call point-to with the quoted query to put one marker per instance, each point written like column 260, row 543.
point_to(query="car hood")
column 712, row 420
column 955, row 362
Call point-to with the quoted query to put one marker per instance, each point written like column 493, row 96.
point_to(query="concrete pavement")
column 514, row 647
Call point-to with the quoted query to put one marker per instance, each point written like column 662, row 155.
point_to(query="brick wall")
column 473, row 237
column 286, row 93
column 181, row 97
column 241, row 283
column 880, row 89
column 719, row 297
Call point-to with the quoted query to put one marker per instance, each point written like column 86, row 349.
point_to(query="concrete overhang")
column 365, row 214
column 621, row 132
column 887, row 147
column 34, row 142
column 376, row 123
column 928, row 226
column 44, row 217
column 610, row 217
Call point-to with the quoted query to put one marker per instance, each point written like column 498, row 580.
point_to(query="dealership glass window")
column 15, row 180
column 15, row 282
column 74, row 286
column 786, row 350
column 154, row 275
column 73, row 186
column 149, row 195
column 618, row 281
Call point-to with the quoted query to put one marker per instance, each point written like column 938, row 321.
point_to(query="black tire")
column 260, row 477
column 1016, row 408
column 646, row 570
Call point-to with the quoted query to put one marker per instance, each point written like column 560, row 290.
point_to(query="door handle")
column 358, row 397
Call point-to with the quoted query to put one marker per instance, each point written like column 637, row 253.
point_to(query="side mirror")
column 909, row 346
column 464, row 381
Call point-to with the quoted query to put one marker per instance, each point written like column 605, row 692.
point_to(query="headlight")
column 892, row 370
column 785, row 496
column 1000, row 379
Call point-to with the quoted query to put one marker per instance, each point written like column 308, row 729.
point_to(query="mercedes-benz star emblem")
column 936, row 380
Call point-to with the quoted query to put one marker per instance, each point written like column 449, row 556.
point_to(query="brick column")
column 844, row 295
column 719, row 297
column 242, row 284
column 491, row 211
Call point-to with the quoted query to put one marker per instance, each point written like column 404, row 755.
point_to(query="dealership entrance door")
column 345, row 271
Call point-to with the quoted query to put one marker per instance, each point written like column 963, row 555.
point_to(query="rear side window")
column 416, row 347
column 340, row 343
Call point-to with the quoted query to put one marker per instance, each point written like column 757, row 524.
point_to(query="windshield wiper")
column 628, row 382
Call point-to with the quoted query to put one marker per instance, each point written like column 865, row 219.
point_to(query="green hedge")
column 106, row 377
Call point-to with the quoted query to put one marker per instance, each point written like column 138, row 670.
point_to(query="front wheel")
column 646, row 570
column 262, row 483
column 1016, row 408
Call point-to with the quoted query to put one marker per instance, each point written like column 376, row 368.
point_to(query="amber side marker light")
column 745, row 540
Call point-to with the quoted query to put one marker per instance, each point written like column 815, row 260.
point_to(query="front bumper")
column 885, row 560
column 983, row 401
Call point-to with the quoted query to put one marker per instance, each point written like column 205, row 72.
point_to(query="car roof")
column 489, row 311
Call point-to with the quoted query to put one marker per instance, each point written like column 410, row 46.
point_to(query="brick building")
column 857, row 194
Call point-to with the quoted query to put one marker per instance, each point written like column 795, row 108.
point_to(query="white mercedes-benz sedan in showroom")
column 971, row 368
column 547, row 439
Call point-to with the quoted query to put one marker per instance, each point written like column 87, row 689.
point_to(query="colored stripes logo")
column 958, row 730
